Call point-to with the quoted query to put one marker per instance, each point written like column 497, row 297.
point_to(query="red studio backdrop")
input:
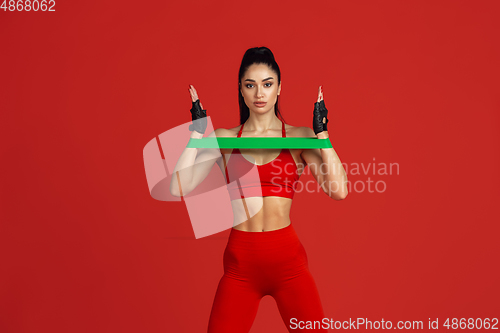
column 411, row 85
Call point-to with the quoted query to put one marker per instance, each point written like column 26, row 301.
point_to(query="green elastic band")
column 260, row 143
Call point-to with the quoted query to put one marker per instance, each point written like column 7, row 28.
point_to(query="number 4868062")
column 28, row 5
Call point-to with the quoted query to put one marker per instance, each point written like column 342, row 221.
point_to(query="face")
column 260, row 84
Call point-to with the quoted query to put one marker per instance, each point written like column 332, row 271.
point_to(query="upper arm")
column 312, row 157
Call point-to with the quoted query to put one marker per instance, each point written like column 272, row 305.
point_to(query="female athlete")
column 263, row 255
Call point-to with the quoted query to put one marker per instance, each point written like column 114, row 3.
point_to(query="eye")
column 247, row 85
column 268, row 84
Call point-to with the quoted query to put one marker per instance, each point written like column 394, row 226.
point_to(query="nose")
column 259, row 92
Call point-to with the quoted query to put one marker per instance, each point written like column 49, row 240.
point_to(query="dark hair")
column 257, row 55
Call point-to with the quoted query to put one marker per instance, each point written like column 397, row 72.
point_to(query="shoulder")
column 299, row 131
column 225, row 132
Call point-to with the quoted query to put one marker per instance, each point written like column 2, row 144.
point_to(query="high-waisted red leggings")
column 258, row 264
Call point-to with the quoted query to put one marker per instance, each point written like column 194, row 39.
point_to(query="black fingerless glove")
column 319, row 113
column 199, row 118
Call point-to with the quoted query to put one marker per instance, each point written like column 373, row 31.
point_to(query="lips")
column 260, row 104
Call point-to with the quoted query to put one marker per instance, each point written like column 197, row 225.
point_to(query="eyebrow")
column 269, row 78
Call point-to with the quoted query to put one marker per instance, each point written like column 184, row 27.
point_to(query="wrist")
column 323, row 135
column 196, row 135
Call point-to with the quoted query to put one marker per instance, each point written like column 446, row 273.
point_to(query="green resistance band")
column 260, row 143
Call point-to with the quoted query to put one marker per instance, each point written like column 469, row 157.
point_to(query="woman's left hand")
column 320, row 113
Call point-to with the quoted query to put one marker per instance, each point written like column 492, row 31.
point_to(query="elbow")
column 174, row 192
column 343, row 196
column 336, row 191
column 174, row 189
column 338, row 195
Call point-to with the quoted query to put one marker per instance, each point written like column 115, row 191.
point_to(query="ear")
column 279, row 89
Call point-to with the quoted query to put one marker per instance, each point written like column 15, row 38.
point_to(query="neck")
column 260, row 123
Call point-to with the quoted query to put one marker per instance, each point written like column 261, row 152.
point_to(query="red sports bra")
column 277, row 178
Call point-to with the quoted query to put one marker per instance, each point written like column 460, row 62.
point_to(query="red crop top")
column 277, row 178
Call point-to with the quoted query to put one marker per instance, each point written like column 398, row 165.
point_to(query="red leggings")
column 264, row 263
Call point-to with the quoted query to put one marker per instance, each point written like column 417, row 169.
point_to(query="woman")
column 264, row 255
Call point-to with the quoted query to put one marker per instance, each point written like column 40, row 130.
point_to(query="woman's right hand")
column 194, row 164
column 198, row 115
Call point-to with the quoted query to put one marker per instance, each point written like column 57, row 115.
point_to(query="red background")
column 84, row 247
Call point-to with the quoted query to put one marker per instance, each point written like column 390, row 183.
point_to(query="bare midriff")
column 266, row 213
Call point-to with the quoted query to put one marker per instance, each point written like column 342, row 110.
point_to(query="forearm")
column 184, row 169
column 333, row 178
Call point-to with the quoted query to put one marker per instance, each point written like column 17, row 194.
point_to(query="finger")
column 321, row 97
column 319, row 94
column 192, row 93
column 195, row 93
